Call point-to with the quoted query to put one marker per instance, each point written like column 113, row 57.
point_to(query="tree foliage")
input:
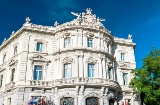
column 146, row 79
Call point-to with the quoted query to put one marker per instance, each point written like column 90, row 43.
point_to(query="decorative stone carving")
column 129, row 36
column 39, row 58
column 110, row 65
column 13, row 62
column 67, row 60
column 28, row 20
column 124, row 65
column 92, row 94
column 91, row 60
column 56, row 24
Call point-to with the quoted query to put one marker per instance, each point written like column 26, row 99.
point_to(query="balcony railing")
column 38, row 83
column 85, row 81
column 64, row 82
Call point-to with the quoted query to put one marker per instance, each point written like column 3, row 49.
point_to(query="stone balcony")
column 85, row 81
column 39, row 84
column 77, row 81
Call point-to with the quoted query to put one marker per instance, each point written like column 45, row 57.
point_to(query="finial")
column 4, row 40
column 12, row 32
column 56, row 24
column 28, row 20
column 88, row 10
column 129, row 36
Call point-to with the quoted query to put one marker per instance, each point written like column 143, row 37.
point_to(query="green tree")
column 146, row 80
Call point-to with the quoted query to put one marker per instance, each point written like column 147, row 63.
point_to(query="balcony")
column 77, row 81
column 85, row 81
column 40, row 83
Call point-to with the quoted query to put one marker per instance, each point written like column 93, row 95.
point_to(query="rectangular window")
column 15, row 50
column 109, row 73
column 90, row 70
column 37, row 72
column 39, row 46
column 125, row 79
column 4, row 57
column 12, row 75
column 122, row 57
column 1, row 80
column 67, row 42
column 67, row 70
column 89, row 42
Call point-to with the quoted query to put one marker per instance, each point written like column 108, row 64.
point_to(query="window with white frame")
column 67, row 70
column 12, row 74
column 1, row 80
column 37, row 75
column 125, row 78
column 91, row 70
column 67, row 42
column 39, row 46
column 89, row 42
column 122, row 57
column 109, row 73
column 4, row 57
column 15, row 50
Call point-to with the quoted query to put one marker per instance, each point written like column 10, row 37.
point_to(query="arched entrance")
column 67, row 101
column 111, row 101
column 92, row 101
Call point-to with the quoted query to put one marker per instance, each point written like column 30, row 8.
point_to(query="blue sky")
column 141, row 18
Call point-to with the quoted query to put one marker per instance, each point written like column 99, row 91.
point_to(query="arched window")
column 111, row 102
column 92, row 101
column 67, row 101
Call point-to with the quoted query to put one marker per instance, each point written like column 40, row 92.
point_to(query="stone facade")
column 78, row 62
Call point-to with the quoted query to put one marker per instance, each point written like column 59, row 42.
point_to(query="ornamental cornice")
column 126, row 43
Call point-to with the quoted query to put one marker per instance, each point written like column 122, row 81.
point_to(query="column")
column 107, row 76
column 58, row 66
column 105, row 101
column 100, row 67
column 110, row 49
column 101, row 101
column 115, row 102
column 80, row 100
column 80, row 65
column 104, row 68
column 84, row 41
column 75, row 70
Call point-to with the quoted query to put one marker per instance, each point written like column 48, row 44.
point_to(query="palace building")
column 76, row 63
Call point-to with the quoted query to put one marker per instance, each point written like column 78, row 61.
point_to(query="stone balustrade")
column 67, row 81
column 38, row 83
column 85, row 81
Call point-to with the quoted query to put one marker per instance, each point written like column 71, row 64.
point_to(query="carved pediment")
column 93, row 94
column 124, row 65
column 91, row 60
column 39, row 58
column 67, row 60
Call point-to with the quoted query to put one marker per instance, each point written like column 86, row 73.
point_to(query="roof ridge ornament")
column 89, row 10
column 28, row 20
